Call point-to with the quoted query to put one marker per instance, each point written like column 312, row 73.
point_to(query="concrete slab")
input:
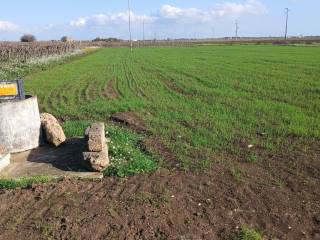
column 64, row 161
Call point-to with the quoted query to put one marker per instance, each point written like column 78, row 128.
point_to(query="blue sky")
column 163, row 19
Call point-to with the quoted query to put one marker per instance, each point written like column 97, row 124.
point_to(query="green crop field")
column 205, row 104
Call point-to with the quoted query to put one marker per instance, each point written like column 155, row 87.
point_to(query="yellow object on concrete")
column 8, row 89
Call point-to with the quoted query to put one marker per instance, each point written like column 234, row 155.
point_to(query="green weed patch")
column 24, row 182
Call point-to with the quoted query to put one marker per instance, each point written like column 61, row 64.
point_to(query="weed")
column 141, row 198
column 237, row 173
column 252, row 158
column 46, row 229
column 24, row 182
column 127, row 158
column 279, row 182
column 248, row 234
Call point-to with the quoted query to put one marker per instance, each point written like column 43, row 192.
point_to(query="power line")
column 129, row 9
column 287, row 18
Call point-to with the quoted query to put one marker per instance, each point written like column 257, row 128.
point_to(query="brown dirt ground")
column 280, row 197
column 164, row 205
column 110, row 91
column 130, row 120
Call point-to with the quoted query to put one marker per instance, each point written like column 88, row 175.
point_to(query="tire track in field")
column 52, row 103
column 125, row 93
column 92, row 91
column 167, row 80
column 109, row 88
column 132, row 81
column 82, row 94
column 25, row 207
column 109, row 92
column 140, row 79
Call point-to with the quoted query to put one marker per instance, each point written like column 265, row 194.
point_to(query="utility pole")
column 237, row 29
column 129, row 9
column 213, row 32
column 144, row 39
column 287, row 18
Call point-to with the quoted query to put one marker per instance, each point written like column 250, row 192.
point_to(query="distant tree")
column 66, row 39
column 98, row 39
column 28, row 38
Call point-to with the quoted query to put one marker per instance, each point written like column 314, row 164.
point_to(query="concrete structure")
column 20, row 126
column 4, row 161
column 4, row 157
column 64, row 161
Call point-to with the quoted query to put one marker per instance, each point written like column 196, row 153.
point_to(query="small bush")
column 28, row 38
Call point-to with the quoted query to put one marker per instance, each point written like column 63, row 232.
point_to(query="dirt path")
column 161, row 206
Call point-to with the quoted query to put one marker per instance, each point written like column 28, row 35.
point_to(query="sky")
column 85, row 20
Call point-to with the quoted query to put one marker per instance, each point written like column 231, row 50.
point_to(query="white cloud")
column 80, row 22
column 227, row 9
column 109, row 19
column 249, row 7
column 175, row 13
column 170, row 20
column 8, row 27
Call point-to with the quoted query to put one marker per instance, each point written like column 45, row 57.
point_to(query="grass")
column 199, row 101
column 24, row 182
column 248, row 234
column 126, row 156
column 125, row 151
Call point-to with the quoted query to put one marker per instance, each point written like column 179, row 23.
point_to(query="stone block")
column 95, row 135
column 96, row 161
column 53, row 131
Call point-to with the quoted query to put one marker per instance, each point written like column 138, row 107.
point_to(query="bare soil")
column 130, row 120
column 164, row 205
column 110, row 91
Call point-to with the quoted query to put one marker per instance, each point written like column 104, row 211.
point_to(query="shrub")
column 28, row 38
column 65, row 39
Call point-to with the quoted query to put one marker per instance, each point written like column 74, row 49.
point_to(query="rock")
column 4, row 158
column 96, row 161
column 317, row 219
column 95, row 134
column 53, row 131
column 95, row 155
